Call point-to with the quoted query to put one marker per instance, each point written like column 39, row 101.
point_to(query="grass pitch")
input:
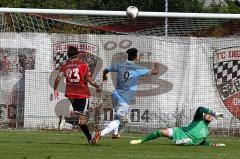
column 73, row 145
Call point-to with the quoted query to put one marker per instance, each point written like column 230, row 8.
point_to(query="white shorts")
column 121, row 110
column 170, row 132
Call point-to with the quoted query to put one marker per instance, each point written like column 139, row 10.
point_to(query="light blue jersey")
column 128, row 74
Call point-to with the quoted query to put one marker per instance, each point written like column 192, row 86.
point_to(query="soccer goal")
column 199, row 56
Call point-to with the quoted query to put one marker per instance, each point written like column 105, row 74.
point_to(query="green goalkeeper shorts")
column 180, row 137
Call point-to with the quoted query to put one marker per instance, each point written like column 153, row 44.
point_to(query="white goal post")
column 120, row 13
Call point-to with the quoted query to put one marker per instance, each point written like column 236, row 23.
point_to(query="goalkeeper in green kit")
column 194, row 134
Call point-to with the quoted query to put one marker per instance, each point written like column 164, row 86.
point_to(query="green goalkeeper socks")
column 152, row 136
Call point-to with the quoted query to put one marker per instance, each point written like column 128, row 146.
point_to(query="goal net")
column 199, row 66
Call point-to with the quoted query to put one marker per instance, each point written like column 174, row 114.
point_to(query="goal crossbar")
column 120, row 13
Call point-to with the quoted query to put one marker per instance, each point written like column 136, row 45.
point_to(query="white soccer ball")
column 132, row 12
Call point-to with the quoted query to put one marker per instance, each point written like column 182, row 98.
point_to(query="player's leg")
column 61, row 122
column 113, row 123
column 115, row 105
column 84, row 127
column 110, row 127
column 81, row 106
column 156, row 134
column 117, row 132
column 72, row 118
column 120, row 112
column 180, row 137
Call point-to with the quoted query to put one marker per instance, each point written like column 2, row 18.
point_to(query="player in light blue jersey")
column 128, row 74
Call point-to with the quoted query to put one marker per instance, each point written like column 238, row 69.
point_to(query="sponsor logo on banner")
column 226, row 64
column 87, row 53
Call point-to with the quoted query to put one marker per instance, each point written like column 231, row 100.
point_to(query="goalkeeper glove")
column 218, row 145
column 218, row 115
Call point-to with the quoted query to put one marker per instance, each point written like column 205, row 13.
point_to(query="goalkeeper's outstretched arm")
column 201, row 110
column 207, row 143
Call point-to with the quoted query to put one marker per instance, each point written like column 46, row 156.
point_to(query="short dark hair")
column 72, row 51
column 132, row 54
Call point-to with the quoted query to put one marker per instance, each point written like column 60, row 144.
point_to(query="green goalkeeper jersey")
column 197, row 130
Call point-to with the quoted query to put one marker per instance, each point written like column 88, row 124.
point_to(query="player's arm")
column 56, row 83
column 105, row 73
column 156, row 69
column 59, row 78
column 92, row 81
column 112, row 68
column 207, row 143
column 201, row 110
column 89, row 78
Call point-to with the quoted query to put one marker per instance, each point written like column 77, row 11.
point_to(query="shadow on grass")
column 51, row 143
column 67, row 143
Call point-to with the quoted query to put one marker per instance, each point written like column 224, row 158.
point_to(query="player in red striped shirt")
column 77, row 75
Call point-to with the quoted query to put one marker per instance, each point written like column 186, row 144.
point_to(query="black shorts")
column 80, row 105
